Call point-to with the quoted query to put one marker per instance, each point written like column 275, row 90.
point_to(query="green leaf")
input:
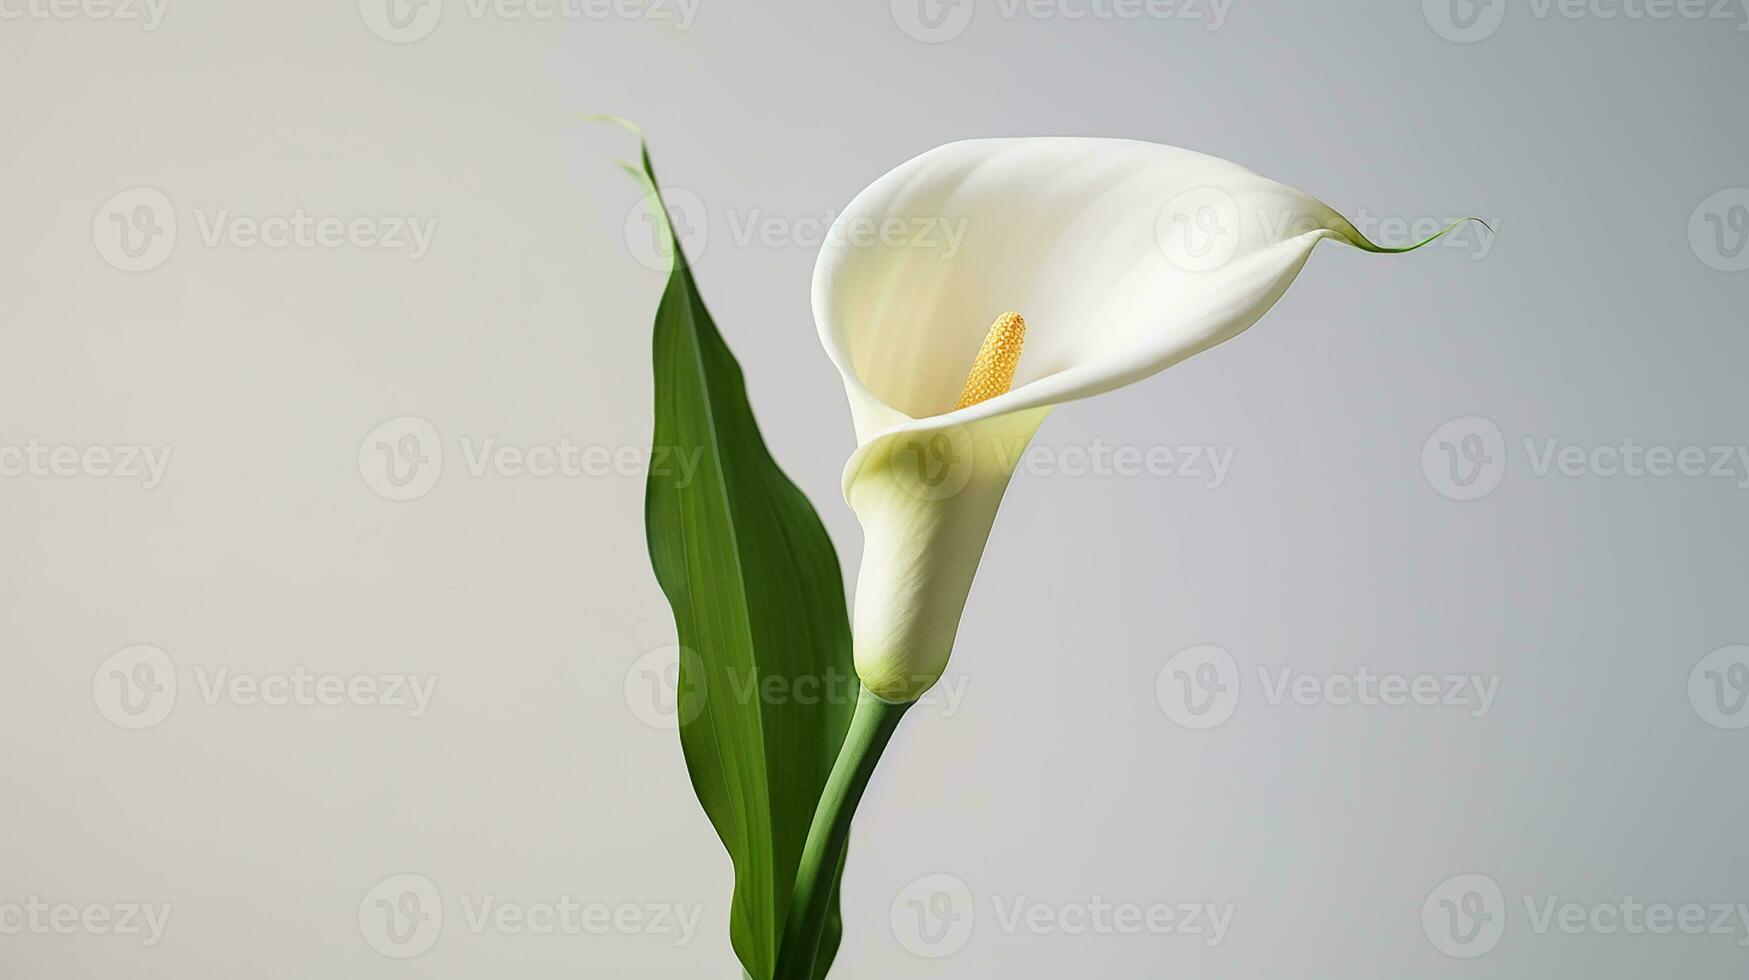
column 759, row 598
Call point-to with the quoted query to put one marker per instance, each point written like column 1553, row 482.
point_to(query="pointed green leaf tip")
column 1350, row 234
column 767, row 687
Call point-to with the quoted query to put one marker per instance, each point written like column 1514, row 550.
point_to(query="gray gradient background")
column 1589, row 141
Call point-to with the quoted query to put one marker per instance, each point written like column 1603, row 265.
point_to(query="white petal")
column 927, row 497
column 1124, row 257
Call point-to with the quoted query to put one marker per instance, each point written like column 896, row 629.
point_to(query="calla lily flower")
column 1121, row 258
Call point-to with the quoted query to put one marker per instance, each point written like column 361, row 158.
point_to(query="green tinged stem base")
column 871, row 728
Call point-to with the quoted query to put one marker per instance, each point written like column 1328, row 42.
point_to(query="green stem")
column 871, row 727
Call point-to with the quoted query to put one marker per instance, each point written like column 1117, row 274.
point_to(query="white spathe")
column 1125, row 257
